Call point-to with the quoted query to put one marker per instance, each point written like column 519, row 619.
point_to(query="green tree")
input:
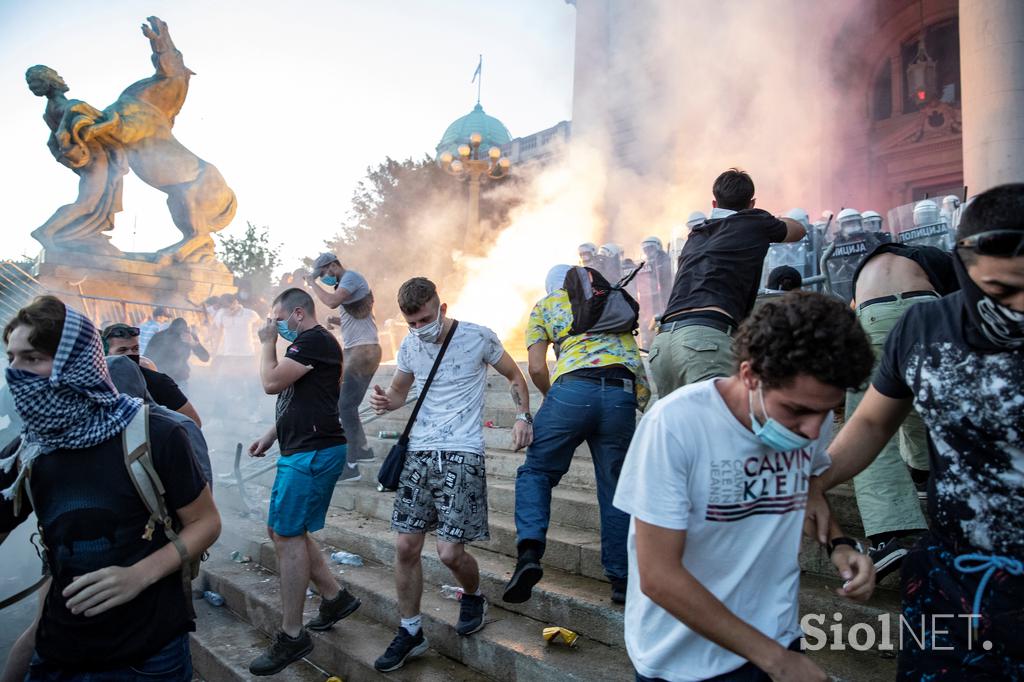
column 251, row 257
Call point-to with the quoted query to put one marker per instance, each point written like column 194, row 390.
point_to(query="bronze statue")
column 134, row 132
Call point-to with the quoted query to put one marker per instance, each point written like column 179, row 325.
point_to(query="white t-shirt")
column 237, row 335
column 356, row 331
column 451, row 417
column 693, row 466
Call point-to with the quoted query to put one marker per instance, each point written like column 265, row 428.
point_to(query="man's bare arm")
column 860, row 440
column 331, row 299
column 795, row 230
column 538, row 366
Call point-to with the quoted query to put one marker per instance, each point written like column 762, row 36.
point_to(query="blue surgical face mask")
column 429, row 333
column 329, row 280
column 772, row 433
column 286, row 332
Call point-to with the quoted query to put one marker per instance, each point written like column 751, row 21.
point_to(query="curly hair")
column 805, row 333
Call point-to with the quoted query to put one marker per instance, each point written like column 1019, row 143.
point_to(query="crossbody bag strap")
column 426, row 384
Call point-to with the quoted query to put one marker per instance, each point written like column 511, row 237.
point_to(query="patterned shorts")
column 443, row 490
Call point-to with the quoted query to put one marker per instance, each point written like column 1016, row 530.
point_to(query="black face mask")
column 133, row 358
column 992, row 326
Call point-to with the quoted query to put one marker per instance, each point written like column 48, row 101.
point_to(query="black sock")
column 920, row 476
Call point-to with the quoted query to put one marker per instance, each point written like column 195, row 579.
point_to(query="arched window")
column 881, row 100
column 942, row 41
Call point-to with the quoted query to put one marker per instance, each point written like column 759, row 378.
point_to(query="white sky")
column 292, row 101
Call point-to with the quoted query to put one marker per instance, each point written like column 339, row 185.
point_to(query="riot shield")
column 926, row 228
column 797, row 255
column 842, row 263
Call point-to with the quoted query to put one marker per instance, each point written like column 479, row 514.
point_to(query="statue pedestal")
column 74, row 274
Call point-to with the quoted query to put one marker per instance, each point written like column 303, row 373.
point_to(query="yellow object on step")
column 554, row 634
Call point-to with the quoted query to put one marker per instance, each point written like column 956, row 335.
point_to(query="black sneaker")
column 364, row 455
column 619, row 590
column 520, row 587
column 887, row 556
column 472, row 610
column 403, row 647
column 333, row 610
column 282, row 653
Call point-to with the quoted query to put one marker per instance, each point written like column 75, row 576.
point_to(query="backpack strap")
column 138, row 459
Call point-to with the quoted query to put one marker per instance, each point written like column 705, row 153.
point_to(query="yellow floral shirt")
column 551, row 319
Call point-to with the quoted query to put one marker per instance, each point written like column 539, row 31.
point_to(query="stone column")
column 992, row 78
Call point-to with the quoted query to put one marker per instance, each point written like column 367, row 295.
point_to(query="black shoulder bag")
column 391, row 469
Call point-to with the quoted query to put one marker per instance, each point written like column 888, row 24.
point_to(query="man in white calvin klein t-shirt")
column 716, row 481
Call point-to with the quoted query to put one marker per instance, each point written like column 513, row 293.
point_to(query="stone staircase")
column 573, row 592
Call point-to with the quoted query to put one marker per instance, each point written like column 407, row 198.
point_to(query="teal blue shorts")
column 302, row 490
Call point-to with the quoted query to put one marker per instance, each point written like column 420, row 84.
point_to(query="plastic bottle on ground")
column 213, row 598
column 347, row 559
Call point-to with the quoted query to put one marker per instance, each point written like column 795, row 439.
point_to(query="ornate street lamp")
column 474, row 170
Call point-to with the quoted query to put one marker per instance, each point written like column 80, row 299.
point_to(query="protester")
column 109, row 578
column 305, row 381
column 959, row 361
column 599, row 382
column 235, row 359
column 122, row 339
column 784, row 278
column 352, row 297
column 443, row 485
column 716, row 479
column 716, row 285
column 158, row 322
column 889, row 280
column 128, row 380
column 172, row 348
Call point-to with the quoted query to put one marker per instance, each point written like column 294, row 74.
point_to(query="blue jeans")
column 575, row 411
column 173, row 663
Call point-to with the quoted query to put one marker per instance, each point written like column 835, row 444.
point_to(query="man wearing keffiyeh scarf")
column 108, row 579
column 75, row 407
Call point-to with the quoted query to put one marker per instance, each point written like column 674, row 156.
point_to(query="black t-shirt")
column 307, row 411
column 936, row 263
column 973, row 407
column 163, row 389
column 720, row 265
column 92, row 517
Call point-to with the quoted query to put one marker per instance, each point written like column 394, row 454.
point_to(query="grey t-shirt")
column 451, row 417
column 358, row 327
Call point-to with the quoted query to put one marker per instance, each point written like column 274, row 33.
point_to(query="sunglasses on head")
column 1003, row 243
column 121, row 331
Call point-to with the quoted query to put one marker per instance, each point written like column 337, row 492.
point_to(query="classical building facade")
column 883, row 119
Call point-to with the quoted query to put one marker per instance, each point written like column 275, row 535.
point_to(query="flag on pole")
column 479, row 67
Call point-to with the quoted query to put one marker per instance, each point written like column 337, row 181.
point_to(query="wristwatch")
column 835, row 542
column 525, row 417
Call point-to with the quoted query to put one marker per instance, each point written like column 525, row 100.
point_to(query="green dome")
column 493, row 131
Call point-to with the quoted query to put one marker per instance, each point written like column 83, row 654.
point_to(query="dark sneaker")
column 333, row 610
column 403, row 647
column 365, row 455
column 887, row 556
column 282, row 653
column 350, row 474
column 619, row 590
column 472, row 610
column 520, row 587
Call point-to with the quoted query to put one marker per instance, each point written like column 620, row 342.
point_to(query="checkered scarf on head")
column 75, row 407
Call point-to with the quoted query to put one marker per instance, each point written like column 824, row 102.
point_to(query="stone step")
column 510, row 647
column 348, row 650
column 223, row 646
column 577, row 603
column 580, row 603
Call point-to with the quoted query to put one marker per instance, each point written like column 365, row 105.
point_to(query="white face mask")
column 429, row 333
